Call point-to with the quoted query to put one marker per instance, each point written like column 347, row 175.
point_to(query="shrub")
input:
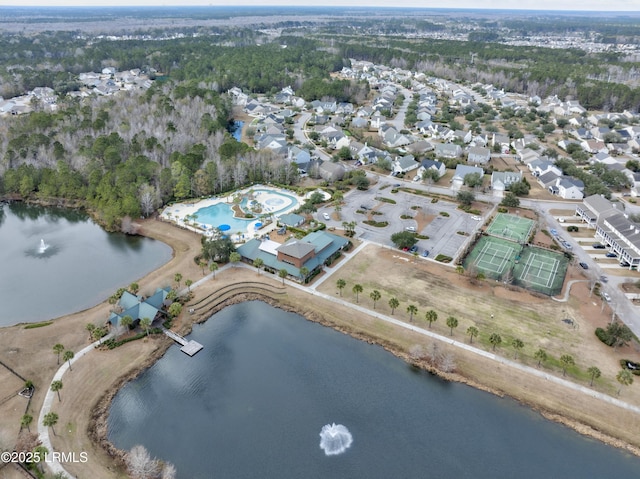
column 38, row 325
column 572, row 229
column 434, row 200
column 444, row 258
column 386, row 200
column 377, row 224
column 422, row 237
column 635, row 367
column 444, row 213
column 415, row 207
column 502, row 209
column 604, row 336
column 406, row 217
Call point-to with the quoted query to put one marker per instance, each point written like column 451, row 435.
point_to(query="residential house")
column 405, row 164
column 502, row 180
column 568, row 188
column 461, row 171
column 431, row 165
column 330, row 171
column 548, row 180
column 478, row 155
column 447, row 150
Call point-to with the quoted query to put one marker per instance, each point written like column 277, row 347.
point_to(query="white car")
column 326, row 216
column 476, row 218
column 412, row 229
column 606, row 297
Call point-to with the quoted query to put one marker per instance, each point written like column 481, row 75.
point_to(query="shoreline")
column 309, row 307
column 100, row 418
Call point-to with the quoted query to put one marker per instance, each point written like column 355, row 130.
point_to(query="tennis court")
column 511, row 227
column 493, row 257
column 540, row 270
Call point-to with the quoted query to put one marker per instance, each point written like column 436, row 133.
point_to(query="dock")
column 188, row 347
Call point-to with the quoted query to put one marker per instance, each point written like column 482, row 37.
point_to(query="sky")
column 580, row 5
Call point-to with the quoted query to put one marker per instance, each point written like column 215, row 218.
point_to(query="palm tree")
column 188, row 283
column 39, row 456
column 283, row 274
column 91, row 328
column 473, row 332
column 258, row 262
column 177, row 278
column 431, row 316
column 540, row 355
column 134, row 288
column 495, row 339
column 393, row 304
column 213, row 267
column 175, row 309
column 625, row 378
column 595, row 374
column 412, row 309
column 50, row 419
column 357, row 289
column 57, row 349
column 68, row 356
column 340, row 284
column 566, row 360
column 304, row 272
column 375, row 296
column 126, row 322
column 203, row 264
column 517, row 345
column 234, row 258
column 145, row 323
column 460, row 269
column 452, row 323
column 56, row 386
column 26, row 421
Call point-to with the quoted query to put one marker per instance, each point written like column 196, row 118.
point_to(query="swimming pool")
column 271, row 201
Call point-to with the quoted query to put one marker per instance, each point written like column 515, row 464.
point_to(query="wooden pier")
column 188, row 347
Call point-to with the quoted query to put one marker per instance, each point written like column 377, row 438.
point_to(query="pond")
column 57, row 261
column 272, row 395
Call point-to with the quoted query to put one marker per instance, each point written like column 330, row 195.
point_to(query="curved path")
column 43, row 432
column 565, row 297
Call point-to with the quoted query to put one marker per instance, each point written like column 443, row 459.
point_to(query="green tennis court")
column 511, row 227
column 494, row 257
column 541, row 270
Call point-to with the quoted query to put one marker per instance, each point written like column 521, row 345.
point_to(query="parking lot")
column 443, row 231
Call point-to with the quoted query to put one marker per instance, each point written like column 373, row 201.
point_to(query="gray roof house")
column 502, row 180
column 448, row 150
column 479, row 155
column 405, row 164
column 331, row 171
column 461, row 171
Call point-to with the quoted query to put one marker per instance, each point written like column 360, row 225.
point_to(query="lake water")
column 56, row 261
column 253, row 402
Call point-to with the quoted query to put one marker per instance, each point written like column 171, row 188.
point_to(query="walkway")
column 331, row 271
column 565, row 297
column 43, row 432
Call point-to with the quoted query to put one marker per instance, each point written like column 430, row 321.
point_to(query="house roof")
column 291, row 219
column 296, row 248
column 464, row 170
column 138, row 308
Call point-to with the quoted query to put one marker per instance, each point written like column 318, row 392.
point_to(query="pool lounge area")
column 261, row 202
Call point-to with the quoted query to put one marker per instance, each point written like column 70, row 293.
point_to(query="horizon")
column 622, row 6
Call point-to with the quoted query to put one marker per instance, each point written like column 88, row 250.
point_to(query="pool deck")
column 178, row 211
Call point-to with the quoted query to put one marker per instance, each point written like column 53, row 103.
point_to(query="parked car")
column 326, row 216
column 425, row 253
column 413, row 249
column 584, row 265
column 598, row 246
column 363, row 207
column 624, row 264
column 611, row 255
column 411, row 229
column 604, row 279
column 606, row 297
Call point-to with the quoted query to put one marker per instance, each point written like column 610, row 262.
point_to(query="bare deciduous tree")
column 140, row 463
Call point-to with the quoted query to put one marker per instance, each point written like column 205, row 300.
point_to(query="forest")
column 126, row 155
